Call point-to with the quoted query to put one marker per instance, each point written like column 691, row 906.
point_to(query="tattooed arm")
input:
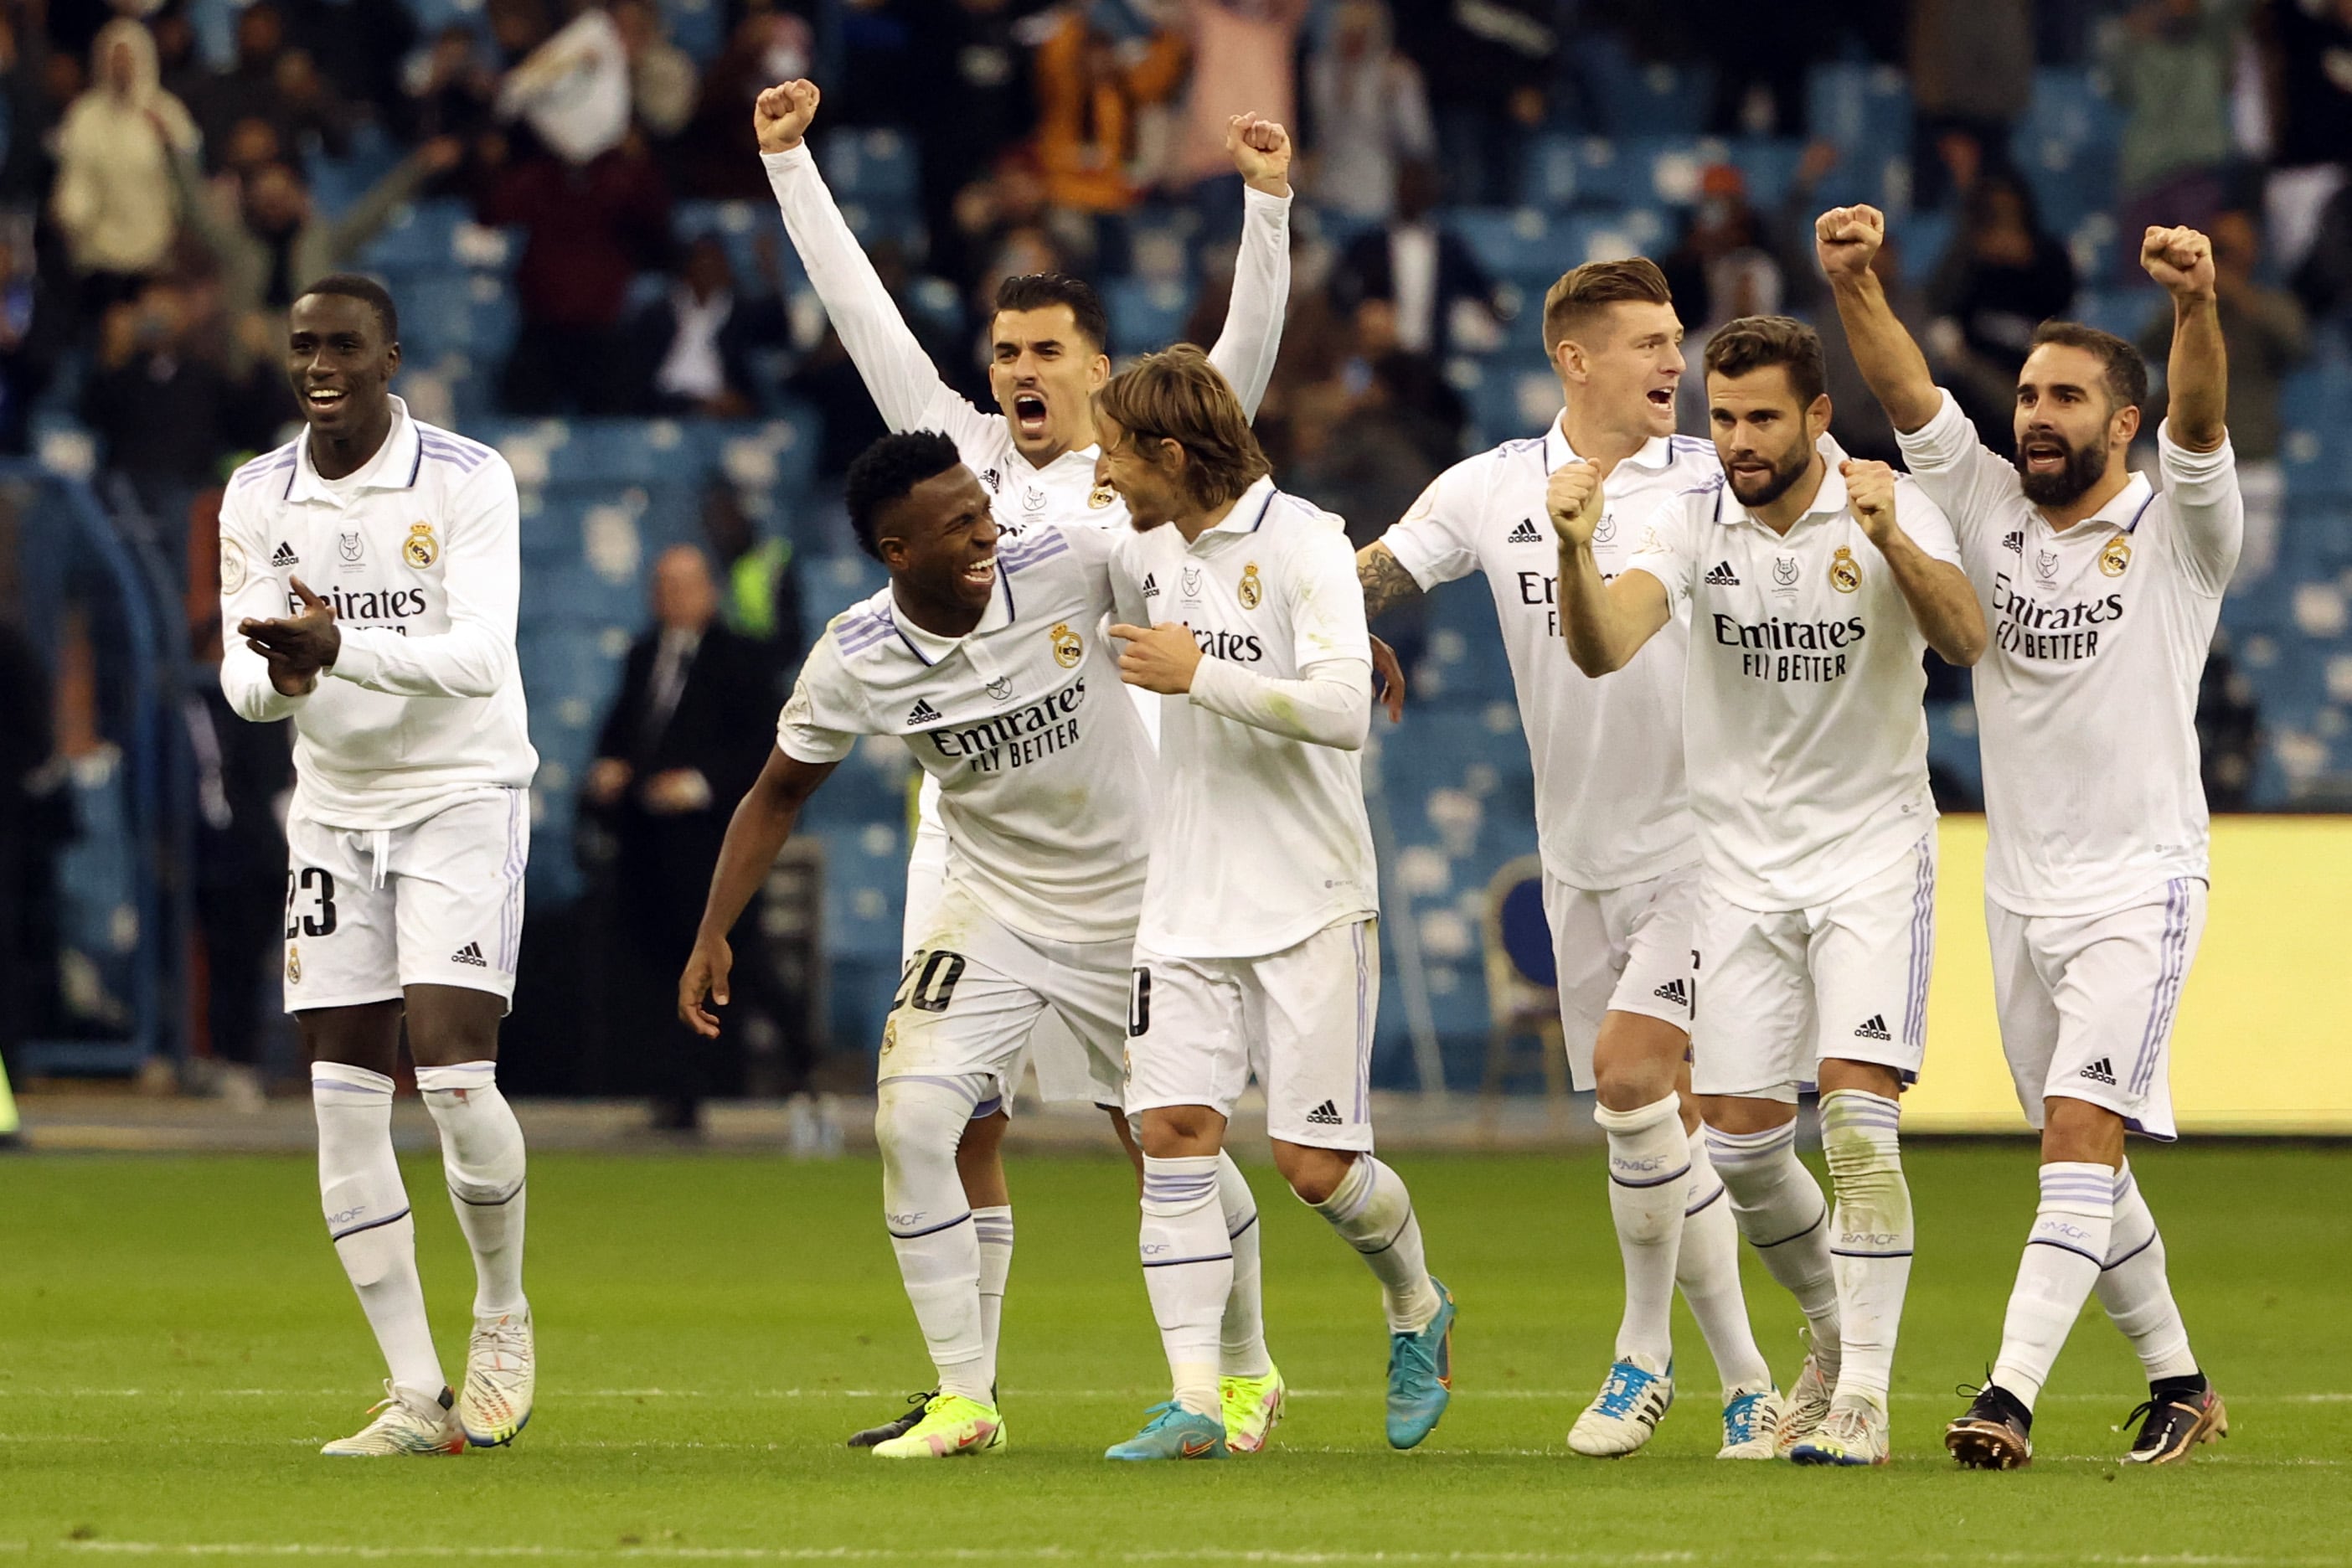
column 1386, row 581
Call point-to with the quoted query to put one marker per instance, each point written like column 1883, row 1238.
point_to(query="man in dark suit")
column 1415, row 266
column 686, row 737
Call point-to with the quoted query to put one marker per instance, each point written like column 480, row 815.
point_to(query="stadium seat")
column 1522, row 980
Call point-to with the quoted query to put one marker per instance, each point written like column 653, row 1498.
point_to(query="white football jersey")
column 2086, row 695
column 1806, row 741
column 420, row 553
column 1043, row 772
column 1260, row 840
column 1611, row 806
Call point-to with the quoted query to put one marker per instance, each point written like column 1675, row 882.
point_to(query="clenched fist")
column 782, row 116
column 1260, row 151
column 2179, row 258
column 1847, row 239
column 1573, row 498
column 1870, row 496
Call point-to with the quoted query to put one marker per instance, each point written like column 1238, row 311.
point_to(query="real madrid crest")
column 2116, row 558
column 1845, row 571
column 1251, row 590
column 232, row 566
column 293, row 964
column 1067, row 648
column 422, row 549
column 1101, row 495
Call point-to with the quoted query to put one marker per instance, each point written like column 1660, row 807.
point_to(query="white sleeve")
column 481, row 572
column 1095, row 552
column 1436, row 540
column 1127, row 607
column 248, row 592
column 821, row 721
column 1925, row 523
column 1246, row 348
column 1329, row 705
column 1960, row 473
column 901, row 379
column 2208, row 513
column 1667, row 549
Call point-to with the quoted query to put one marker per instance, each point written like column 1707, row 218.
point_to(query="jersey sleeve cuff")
column 358, row 661
column 1941, row 442
column 1266, row 204
column 1410, row 554
column 780, row 163
column 2184, row 467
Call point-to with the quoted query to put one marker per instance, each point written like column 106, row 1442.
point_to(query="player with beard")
column 1813, row 585
column 2104, row 593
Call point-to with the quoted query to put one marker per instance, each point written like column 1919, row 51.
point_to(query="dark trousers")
column 567, row 369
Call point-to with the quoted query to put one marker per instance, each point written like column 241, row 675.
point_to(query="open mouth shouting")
column 1662, row 400
column 1029, row 415
column 980, row 577
column 2044, row 455
column 323, row 399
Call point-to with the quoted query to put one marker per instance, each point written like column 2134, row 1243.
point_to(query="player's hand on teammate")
column 1573, row 498
column 1260, row 151
column 1388, row 681
column 1870, row 496
column 707, row 968
column 1847, row 240
column 297, row 646
column 781, row 117
column 2179, row 258
column 1159, row 659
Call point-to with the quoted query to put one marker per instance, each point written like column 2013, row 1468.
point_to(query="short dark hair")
column 886, row 471
column 1571, row 304
column 352, row 286
column 2126, row 371
column 1751, row 343
column 1035, row 290
column 1179, row 394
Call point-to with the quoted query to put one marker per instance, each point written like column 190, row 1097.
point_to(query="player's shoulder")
column 1290, row 518
column 1039, row 542
column 454, row 460
column 267, row 477
column 856, row 633
column 1691, row 460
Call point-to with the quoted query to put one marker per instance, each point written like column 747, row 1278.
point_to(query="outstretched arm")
column 763, row 820
column 1605, row 623
column 1252, row 339
column 2197, row 377
column 1846, row 239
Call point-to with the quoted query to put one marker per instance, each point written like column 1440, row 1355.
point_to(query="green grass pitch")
column 175, row 1341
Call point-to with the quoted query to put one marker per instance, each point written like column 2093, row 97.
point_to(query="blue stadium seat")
column 1146, row 312
column 698, row 27
column 1654, row 99
column 420, row 238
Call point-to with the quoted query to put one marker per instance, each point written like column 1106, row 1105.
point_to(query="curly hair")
column 886, row 471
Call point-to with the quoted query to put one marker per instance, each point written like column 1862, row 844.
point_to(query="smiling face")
column 340, row 364
column 939, row 541
column 1150, row 482
column 1625, row 366
column 1045, row 375
column 2069, row 429
column 1762, row 433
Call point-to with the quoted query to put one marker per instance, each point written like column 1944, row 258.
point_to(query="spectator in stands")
column 663, row 79
column 2311, row 61
column 271, row 83
column 35, row 333
column 1760, row 70
column 267, row 242
column 356, row 48
column 1366, row 112
column 36, row 83
column 695, row 342
column 760, row 581
column 2267, row 336
column 573, row 89
column 2004, row 276
column 973, row 97
column 719, row 157
column 1723, row 265
column 1487, row 64
column 1092, row 91
column 113, row 198
column 2169, row 70
column 588, row 230
column 1971, row 82
column 1421, row 270
column 673, row 759
column 1241, row 53
column 448, row 88
column 2324, row 280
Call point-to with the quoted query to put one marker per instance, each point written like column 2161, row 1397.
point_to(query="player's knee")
column 918, row 1124
column 1314, row 1174
column 1179, row 1131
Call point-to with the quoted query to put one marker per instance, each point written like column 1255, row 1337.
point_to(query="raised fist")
column 2179, row 258
column 1870, row 495
column 1260, row 151
column 1847, row 239
column 1573, row 498
column 782, row 116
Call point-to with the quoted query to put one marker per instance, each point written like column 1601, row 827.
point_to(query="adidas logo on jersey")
column 1873, row 1028
column 922, row 712
column 1526, row 533
column 2013, row 542
column 1674, row 991
column 284, row 555
column 1151, row 584
column 1723, row 576
column 1324, row 1115
column 470, row 953
column 2100, row 1071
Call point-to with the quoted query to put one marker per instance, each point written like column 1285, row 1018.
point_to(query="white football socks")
column 992, row 1228
column 1872, row 1246
column 1649, row 1184
column 1242, row 1336
column 2134, row 1290
column 1372, row 1212
column 367, row 1215
column 1781, row 1211
column 1706, row 1267
column 2063, row 1254
column 482, row 1157
column 916, row 1125
column 1188, row 1268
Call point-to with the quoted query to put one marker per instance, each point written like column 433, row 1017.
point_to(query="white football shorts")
column 1781, row 991
column 370, row 911
column 974, row 987
column 1301, row 1019
column 2086, row 1002
column 1621, row 950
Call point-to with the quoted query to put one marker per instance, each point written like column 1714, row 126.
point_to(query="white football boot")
column 1627, row 1410
column 1804, row 1408
column 1855, row 1434
column 405, row 1423
column 1751, row 1421
column 502, row 1370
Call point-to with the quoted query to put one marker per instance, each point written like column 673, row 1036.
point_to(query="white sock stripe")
column 1738, row 1148
column 2063, row 1247
column 1703, row 1202
column 1683, row 1174
column 896, row 1235
column 499, row 1202
column 2123, row 1182
column 467, row 1076
column 370, row 1225
column 2153, row 1236
column 1181, row 1262
column 1244, row 1230
column 341, row 1076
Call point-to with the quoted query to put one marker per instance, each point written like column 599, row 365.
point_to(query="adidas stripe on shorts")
column 1621, row 950
column 1780, row 990
column 2086, row 1002
column 1301, row 1019
column 437, row 902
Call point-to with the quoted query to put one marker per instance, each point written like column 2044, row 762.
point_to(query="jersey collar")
column 1249, row 509
column 1656, row 452
column 393, row 467
column 2123, row 508
column 931, row 648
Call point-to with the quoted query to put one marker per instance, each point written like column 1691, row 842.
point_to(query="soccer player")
column 1613, row 821
column 2103, row 595
column 1258, row 946
column 408, row 831
column 1036, row 459
column 985, row 654
column 1813, row 582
